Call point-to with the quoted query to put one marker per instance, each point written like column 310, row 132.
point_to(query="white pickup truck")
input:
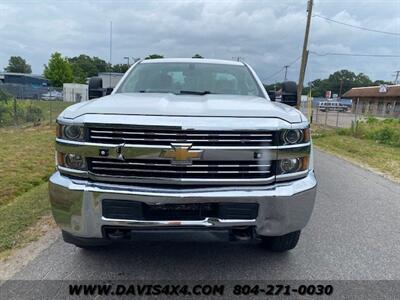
column 183, row 144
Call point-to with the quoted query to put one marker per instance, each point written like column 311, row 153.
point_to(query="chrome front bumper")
column 283, row 207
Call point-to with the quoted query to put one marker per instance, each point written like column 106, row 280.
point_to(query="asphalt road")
column 354, row 234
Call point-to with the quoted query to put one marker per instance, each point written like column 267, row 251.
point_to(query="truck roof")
column 193, row 60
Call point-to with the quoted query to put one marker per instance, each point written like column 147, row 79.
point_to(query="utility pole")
column 110, row 50
column 397, row 77
column 309, row 102
column 127, row 58
column 341, row 87
column 286, row 67
column 304, row 55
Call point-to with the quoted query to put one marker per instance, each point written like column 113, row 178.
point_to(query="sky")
column 266, row 34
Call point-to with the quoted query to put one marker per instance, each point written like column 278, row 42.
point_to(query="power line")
column 273, row 75
column 293, row 62
column 353, row 54
column 281, row 69
column 357, row 27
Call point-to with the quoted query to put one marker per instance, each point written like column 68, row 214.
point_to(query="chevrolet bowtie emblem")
column 181, row 153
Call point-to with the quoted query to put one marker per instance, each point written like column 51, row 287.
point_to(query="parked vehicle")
column 184, row 144
column 332, row 106
column 52, row 95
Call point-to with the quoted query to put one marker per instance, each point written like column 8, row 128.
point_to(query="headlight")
column 70, row 132
column 73, row 132
column 292, row 136
column 295, row 136
column 75, row 161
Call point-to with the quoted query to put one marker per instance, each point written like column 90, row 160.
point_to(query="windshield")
column 190, row 78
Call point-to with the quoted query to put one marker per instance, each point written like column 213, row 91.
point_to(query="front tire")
column 281, row 243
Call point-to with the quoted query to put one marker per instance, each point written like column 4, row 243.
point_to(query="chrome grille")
column 163, row 169
column 168, row 136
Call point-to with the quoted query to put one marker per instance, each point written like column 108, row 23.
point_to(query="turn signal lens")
column 60, row 161
column 306, row 134
column 58, row 130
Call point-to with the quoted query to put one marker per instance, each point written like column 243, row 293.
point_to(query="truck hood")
column 162, row 104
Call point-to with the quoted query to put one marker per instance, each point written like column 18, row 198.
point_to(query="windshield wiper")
column 194, row 92
column 153, row 91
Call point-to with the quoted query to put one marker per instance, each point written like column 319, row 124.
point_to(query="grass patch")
column 374, row 154
column 17, row 216
column 26, row 160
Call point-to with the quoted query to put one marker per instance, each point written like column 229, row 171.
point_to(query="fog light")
column 75, row 161
column 292, row 136
column 289, row 165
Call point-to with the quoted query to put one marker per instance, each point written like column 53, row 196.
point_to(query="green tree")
column 362, row 80
column 58, row 70
column 339, row 81
column 18, row 65
column 379, row 82
column 197, row 56
column 154, row 56
column 273, row 87
column 120, row 68
column 84, row 66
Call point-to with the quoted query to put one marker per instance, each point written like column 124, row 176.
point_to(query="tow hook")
column 241, row 234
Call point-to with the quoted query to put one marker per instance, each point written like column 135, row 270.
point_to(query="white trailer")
column 75, row 92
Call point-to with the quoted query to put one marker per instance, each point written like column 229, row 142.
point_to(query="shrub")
column 6, row 117
column 386, row 131
column 384, row 135
column 25, row 112
column 372, row 120
column 33, row 114
column 343, row 131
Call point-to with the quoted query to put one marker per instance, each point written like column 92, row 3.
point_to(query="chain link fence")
column 342, row 119
column 26, row 91
column 21, row 105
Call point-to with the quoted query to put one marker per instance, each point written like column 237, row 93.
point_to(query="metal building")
column 24, row 86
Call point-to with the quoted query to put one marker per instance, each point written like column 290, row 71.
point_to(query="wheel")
column 281, row 243
column 84, row 243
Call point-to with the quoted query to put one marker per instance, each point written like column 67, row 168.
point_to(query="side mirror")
column 109, row 91
column 289, row 93
column 272, row 95
column 95, row 87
